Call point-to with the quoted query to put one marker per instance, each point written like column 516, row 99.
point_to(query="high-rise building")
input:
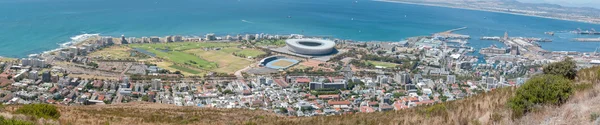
column 491, row 82
column 132, row 40
column 178, row 39
column 514, row 50
column 169, row 39
column 33, row 62
column 145, row 40
column 107, row 41
column 402, row 78
column 333, row 85
column 347, row 72
column 33, row 75
column 210, row 36
column 382, row 79
column 74, row 50
column 123, row 40
column 46, row 76
column 156, row 84
column 239, row 37
column 154, row 39
column 450, row 79
column 416, row 78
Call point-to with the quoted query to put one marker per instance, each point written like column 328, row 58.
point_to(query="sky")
column 571, row 3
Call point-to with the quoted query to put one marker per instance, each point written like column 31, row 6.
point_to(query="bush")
column 4, row 121
column 594, row 116
column 565, row 68
column 40, row 111
column 539, row 90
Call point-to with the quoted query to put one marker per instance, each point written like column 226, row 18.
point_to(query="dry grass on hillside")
column 482, row 109
column 149, row 114
column 158, row 114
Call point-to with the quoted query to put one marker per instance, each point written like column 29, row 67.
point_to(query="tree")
column 539, row 90
column 443, row 98
column 228, row 92
column 565, row 68
column 89, row 86
column 398, row 95
column 145, row 98
column 326, row 81
column 283, row 110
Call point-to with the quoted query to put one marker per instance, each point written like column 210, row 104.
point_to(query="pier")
column 587, row 39
column 496, row 38
column 453, row 30
column 449, row 35
column 587, row 32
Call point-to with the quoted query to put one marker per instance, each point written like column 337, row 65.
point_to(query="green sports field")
column 202, row 55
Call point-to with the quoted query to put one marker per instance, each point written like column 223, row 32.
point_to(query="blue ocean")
column 34, row 26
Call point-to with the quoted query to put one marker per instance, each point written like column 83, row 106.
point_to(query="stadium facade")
column 311, row 46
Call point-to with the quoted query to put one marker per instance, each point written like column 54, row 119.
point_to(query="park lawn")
column 182, row 46
column 270, row 43
column 179, row 57
column 187, row 59
column 227, row 63
column 251, row 52
column 383, row 64
column 244, row 52
column 185, row 69
column 112, row 52
column 183, row 54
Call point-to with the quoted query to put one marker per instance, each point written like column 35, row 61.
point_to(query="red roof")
column 302, row 80
column 3, row 75
column 338, row 102
column 329, row 96
column 366, row 109
column 101, row 97
column 425, row 102
column 373, row 103
column 281, row 83
column 399, row 105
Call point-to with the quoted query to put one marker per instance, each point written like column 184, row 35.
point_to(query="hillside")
column 488, row 108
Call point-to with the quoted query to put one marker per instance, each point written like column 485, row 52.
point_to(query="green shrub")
column 40, row 111
column 566, row 68
column 4, row 121
column 540, row 90
column 594, row 116
column 435, row 110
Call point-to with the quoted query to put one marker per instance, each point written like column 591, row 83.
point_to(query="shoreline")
column 484, row 10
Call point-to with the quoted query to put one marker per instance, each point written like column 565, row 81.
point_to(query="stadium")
column 310, row 46
column 278, row 62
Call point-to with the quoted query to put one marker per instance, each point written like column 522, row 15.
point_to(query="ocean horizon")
column 34, row 26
